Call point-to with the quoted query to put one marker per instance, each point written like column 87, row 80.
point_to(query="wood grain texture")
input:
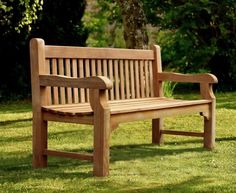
column 104, row 87
column 190, row 78
column 96, row 82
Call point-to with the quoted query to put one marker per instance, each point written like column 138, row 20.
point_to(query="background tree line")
column 195, row 36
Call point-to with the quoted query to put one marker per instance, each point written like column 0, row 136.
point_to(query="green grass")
column 180, row 165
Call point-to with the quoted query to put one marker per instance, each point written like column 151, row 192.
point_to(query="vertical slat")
column 142, row 79
column 87, row 74
column 132, row 79
column 137, row 83
column 105, row 73
column 62, row 89
column 127, row 82
column 117, row 86
column 151, row 78
column 48, row 89
column 75, row 74
column 99, row 67
column 68, row 73
column 147, row 80
column 93, row 67
column 110, row 65
column 81, row 75
column 122, row 81
column 55, row 89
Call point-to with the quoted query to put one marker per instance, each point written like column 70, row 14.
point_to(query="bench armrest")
column 206, row 80
column 95, row 82
column 190, row 78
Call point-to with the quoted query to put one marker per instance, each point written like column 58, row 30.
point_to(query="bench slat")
column 62, row 89
column 96, row 53
column 124, row 106
column 127, row 79
column 68, row 73
column 81, row 75
column 55, row 89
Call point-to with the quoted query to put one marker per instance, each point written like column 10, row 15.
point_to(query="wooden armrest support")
column 190, row 78
column 95, row 82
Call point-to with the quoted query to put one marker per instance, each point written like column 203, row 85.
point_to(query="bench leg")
column 101, row 145
column 157, row 136
column 39, row 143
column 209, row 129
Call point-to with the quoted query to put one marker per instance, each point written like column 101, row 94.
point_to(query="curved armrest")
column 191, row 78
column 94, row 82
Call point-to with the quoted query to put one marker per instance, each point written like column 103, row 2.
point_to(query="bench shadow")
column 10, row 122
column 142, row 151
column 11, row 165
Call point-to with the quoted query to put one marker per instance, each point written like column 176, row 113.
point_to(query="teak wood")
column 104, row 87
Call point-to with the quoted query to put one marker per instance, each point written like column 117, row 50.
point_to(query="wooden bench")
column 104, row 87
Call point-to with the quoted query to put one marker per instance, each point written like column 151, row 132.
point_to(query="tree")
column 197, row 35
column 58, row 22
column 134, row 23
column 104, row 23
column 16, row 20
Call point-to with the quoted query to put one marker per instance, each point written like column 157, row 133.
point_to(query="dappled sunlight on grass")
column 181, row 164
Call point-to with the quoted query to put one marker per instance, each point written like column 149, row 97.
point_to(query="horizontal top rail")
column 97, row 53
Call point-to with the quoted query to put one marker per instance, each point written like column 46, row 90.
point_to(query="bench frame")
column 102, row 119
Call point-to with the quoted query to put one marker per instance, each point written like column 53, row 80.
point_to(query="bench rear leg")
column 39, row 143
column 157, row 136
column 209, row 129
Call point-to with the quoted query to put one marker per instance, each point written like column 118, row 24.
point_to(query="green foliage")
column 57, row 22
column 60, row 22
column 103, row 21
column 168, row 88
column 16, row 21
column 197, row 35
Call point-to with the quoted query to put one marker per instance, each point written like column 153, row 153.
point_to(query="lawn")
column 180, row 165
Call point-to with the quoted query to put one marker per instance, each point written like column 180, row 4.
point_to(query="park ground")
column 180, row 165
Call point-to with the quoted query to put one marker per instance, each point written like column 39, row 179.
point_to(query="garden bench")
column 104, row 87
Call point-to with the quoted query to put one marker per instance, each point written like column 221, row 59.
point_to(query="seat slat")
column 124, row 106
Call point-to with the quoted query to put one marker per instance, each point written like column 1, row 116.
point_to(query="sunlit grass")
column 180, row 165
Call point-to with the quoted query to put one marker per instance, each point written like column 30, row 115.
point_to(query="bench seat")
column 104, row 87
column 123, row 106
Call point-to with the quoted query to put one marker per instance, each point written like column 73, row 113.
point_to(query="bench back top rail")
column 132, row 71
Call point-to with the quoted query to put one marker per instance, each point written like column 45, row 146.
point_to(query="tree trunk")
column 134, row 22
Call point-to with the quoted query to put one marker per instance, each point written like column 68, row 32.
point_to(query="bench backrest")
column 132, row 71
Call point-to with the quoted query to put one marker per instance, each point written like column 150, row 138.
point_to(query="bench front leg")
column 39, row 142
column 102, row 132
